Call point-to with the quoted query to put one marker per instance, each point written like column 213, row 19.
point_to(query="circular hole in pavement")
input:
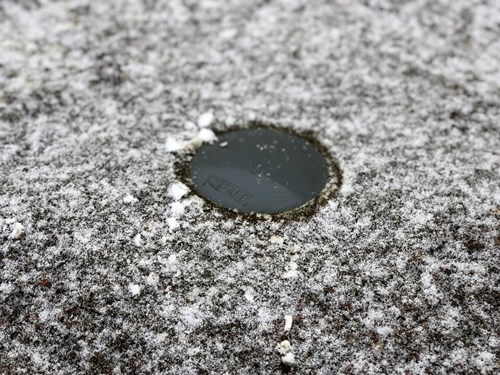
column 262, row 170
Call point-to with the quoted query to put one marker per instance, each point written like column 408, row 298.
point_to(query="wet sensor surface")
column 259, row 170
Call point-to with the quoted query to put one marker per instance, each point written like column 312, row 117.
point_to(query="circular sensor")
column 259, row 170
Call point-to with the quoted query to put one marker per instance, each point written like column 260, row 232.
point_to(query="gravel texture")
column 109, row 265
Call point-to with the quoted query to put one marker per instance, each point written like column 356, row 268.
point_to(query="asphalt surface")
column 110, row 264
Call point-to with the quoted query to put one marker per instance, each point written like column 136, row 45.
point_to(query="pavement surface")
column 109, row 264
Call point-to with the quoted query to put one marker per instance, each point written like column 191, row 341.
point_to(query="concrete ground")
column 110, row 265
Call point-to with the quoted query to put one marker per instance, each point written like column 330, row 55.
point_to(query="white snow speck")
column 206, row 119
column 223, row 144
column 288, row 359
column 172, row 259
column 173, row 224
column 6, row 288
column 178, row 208
column 173, row 145
column 44, row 315
column 372, row 317
column 384, row 331
column 152, row 279
column 134, row 289
column 428, row 287
column 264, row 315
column 138, row 239
column 177, row 190
column 191, row 316
column 284, row 347
column 110, row 108
column 249, row 295
column 288, row 322
column 17, row 231
column 48, row 314
column 290, row 274
column 37, row 359
column 129, row 199
column 160, row 338
column 484, row 359
column 133, row 154
column 207, row 135
column 290, row 270
column 276, row 240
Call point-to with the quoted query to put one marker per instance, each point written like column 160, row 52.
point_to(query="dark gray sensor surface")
column 259, row 170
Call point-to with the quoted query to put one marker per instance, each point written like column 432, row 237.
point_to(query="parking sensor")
column 259, row 170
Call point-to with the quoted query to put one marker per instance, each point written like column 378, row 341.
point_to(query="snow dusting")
column 108, row 265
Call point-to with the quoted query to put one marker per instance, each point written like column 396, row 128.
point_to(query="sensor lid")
column 259, row 170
